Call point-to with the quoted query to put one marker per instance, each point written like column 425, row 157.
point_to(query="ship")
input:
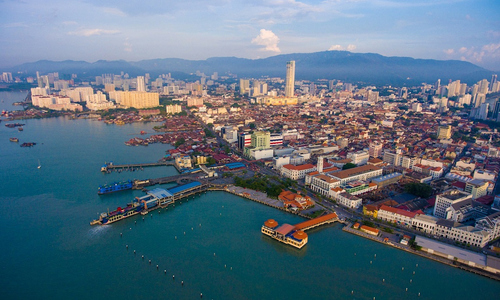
column 12, row 125
column 14, row 139
column 142, row 205
column 115, row 187
column 120, row 213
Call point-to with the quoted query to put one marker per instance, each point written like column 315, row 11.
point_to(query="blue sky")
column 90, row 30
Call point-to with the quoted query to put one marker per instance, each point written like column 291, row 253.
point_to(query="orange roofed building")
column 292, row 200
column 297, row 172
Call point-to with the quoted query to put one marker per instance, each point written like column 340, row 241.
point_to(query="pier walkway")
column 309, row 224
column 111, row 167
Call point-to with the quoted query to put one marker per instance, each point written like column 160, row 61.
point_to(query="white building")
column 297, row 172
column 359, row 158
column 446, row 199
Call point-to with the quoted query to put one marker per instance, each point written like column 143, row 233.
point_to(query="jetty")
column 108, row 167
column 154, row 199
column 295, row 235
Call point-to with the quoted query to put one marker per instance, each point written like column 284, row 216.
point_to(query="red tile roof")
column 398, row 211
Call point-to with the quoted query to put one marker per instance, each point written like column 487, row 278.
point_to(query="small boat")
column 20, row 129
column 14, row 139
column 39, row 164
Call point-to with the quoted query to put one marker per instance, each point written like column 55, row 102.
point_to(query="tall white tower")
column 290, row 79
column 141, row 84
column 319, row 167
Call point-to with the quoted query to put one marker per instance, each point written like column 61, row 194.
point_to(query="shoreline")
column 477, row 271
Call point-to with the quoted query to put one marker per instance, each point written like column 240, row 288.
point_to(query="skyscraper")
column 290, row 79
column 141, row 84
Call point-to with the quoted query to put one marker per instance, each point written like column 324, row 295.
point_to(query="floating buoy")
column 225, row 266
column 411, row 280
column 135, row 222
column 150, row 261
column 419, row 294
column 165, row 271
column 354, row 254
column 220, row 214
column 413, row 272
column 375, row 255
column 383, row 280
column 214, row 253
column 130, row 228
column 175, row 237
column 182, row 283
column 231, row 268
column 352, row 292
column 370, row 262
column 156, row 267
column 407, row 289
column 184, row 233
column 143, row 257
column 143, row 218
column 417, row 265
column 173, row 277
column 201, row 295
column 200, row 224
column 134, row 251
column 121, row 234
column 192, row 228
column 126, row 247
column 402, row 268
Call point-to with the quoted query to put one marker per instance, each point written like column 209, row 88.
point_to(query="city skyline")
column 113, row 30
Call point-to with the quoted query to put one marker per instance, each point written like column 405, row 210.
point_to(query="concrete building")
column 173, row 109
column 136, row 99
column 476, row 188
column 359, row 158
column 446, row 199
column 359, row 173
column 141, row 84
column 290, row 79
column 297, row 172
column 396, row 215
column 375, row 149
column 261, row 140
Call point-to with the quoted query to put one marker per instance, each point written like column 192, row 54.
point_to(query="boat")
column 39, row 164
column 20, row 129
column 115, row 187
column 14, row 139
column 28, row 144
column 12, row 125
column 120, row 213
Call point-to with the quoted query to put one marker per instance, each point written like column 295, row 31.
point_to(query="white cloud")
column 268, row 39
column 335, row 47
column 449, row 51
column 91, row 32
column 351, row 47
column 114, row 11
column 128, row 46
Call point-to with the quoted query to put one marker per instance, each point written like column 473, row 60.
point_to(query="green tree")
column 349, row 166
column 422, row 190
column 179, row 142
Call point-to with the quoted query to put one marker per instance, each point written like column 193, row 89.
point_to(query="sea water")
column 211, row 242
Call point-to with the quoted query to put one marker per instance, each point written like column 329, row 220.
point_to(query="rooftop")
column 355, row 171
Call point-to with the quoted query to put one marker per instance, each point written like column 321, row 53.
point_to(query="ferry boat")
column 120, row 213
column 115, row 187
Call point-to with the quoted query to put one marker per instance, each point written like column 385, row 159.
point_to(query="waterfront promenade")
column 436, row 258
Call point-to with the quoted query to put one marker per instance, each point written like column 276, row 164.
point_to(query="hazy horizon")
column 134, row 30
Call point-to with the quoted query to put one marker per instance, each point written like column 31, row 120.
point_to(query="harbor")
column 108, row 167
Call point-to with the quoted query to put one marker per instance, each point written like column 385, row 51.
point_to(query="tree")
column 179, row 142
column 251, row 125
column 422, row 190
column 349, row 166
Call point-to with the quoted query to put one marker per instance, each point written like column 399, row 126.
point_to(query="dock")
column 295, row 235
column 153, row 200
column 108, row 167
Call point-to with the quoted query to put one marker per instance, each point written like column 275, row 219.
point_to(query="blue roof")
column 160, row 193
column 181, row 188
column 235, row 165
column 386, row 177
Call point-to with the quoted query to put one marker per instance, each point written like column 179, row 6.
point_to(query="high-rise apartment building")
column 261, row 140
column 244, row 86
column 290, row 79
column 141, row 84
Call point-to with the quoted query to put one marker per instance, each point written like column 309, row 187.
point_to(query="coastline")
column 477, row 271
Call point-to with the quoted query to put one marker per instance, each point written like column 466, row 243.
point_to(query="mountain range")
column 343, row 65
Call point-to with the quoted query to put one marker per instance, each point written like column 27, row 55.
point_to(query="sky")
column 133, row 30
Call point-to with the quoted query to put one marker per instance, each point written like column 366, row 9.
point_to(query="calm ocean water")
column 49, row 250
